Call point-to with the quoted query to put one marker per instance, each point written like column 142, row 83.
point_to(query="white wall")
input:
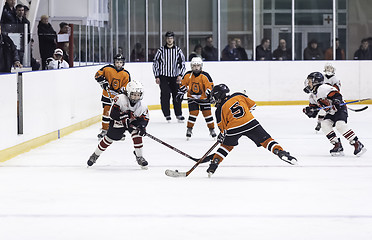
column 56, row 99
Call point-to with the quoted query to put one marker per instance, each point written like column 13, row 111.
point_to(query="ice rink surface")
column 49, row 193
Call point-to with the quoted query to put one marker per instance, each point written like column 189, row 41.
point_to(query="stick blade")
column 175, row 174
column 362, row 109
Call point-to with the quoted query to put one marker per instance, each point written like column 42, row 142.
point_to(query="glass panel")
column 283, row 4
column 137, row 30
column 154, row 26
column 174, row 20
column 341, row 4
column 77, row 44
column 122, row 26
column 267, row 19
column 267, row 4
column 84, row 46
column 313, row 4
column 96, row 46
column 283, row 19
column 201, row 26
column 236, row 30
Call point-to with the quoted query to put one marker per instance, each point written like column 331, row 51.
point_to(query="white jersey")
column 139, row 109
column 321, row 96
column 333, row 81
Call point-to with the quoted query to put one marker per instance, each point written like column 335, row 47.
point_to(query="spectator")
column 138, row 53
column 242, row 53
column 313, row 52
column 263, row 51
column 197, row 52
column 209, row 52
column 282, row 53
column 9, row 13
column 27, row 9
column 21, row 20
column 35, row 64
column 8, row 54
column 57, row 61
column 364, row 51
column 230, row 53
column 64, row 28
column 340, row 53
column 168, row 68
column 47, row 39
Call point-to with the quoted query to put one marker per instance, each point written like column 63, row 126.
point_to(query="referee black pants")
column 168, row 87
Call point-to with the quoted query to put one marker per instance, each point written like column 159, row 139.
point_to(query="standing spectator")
column 197, row 52
column 138, row 53
column 57, row 61
column 27, row 9
column 282, row 53
column 364, row 52
column 168, row 68
column 313, row 52
column 242, row 53
column 263, row 51
column 230, row 53
column 21, row 20
column 9, row 13
column 8, row 54
column 64, row 28
column 340, row 53
column 47, row 39
column 209, row 52
column 35, row 64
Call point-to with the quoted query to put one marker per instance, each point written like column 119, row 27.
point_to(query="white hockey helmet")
column 196, row 64
column 134, row 91
column 329, row 69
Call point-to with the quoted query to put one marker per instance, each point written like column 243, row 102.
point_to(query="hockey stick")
column 176, row 173
column 358, row 110
column 171, row 147
column 359, row 100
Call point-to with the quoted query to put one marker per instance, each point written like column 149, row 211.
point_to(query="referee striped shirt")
column 169, row 62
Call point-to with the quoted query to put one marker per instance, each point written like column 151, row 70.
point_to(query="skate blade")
column 210, row 175
column 144, row 167
column 188, row 138
column 337, row 154
column 361, row 152
column 180, row 121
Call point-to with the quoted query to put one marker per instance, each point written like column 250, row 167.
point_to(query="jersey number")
column 236, row 110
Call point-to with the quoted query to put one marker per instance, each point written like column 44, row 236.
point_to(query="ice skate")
column 188, row 133
column 92, row 159
column 141, row 161
column 359, row 147
column 337, row 149
column 285, row 156
column 168, row 118
column 123, row 137
column 101, row 134
column 318, row 126
column 180, row 119
column 212, row 133
column 212, row 167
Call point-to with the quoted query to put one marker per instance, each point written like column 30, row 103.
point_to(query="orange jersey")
column 197, row 85
column 117, row 80
column 234, row 116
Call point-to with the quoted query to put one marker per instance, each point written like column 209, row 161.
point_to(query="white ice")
column 49, row 193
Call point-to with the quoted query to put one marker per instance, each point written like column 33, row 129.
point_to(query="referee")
column 168, row 68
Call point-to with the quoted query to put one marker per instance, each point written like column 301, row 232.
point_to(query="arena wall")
column 57, row 102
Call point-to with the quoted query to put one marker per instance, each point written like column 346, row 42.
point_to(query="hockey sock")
column 103, row 145
column 222, row 152
column 105, row 117
column 192, row 118
column 137, row 142
column 208, row 118
column 332, row 137
column 342, row 128
column 270, row 144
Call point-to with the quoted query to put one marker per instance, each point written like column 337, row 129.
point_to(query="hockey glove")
column 311, row 112
column 221, row 137
column 208, row 94
column 179, row 96
column 141, row 130
column 104, row 85
column 336, row 102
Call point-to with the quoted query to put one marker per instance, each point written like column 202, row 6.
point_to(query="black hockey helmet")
column 219, row 93
column 119, row 61
column 313, row 80
column 169, row 34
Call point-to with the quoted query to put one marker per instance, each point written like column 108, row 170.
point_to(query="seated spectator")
column 209, row 53
column 230, row 53
column 8, row 54
column 197, row 52
column 282, row 53
column 242, row 53
column 64, row 28
column 313, row 52
column 47, row 39
column 340, row 53
column 263, row 51
column 364, row 52
column 9, row 12
column 138, row 53
column 57, row 61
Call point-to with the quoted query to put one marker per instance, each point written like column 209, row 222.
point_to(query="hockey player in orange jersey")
column 113, row 80
column 198, row 85
column 234, row 119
